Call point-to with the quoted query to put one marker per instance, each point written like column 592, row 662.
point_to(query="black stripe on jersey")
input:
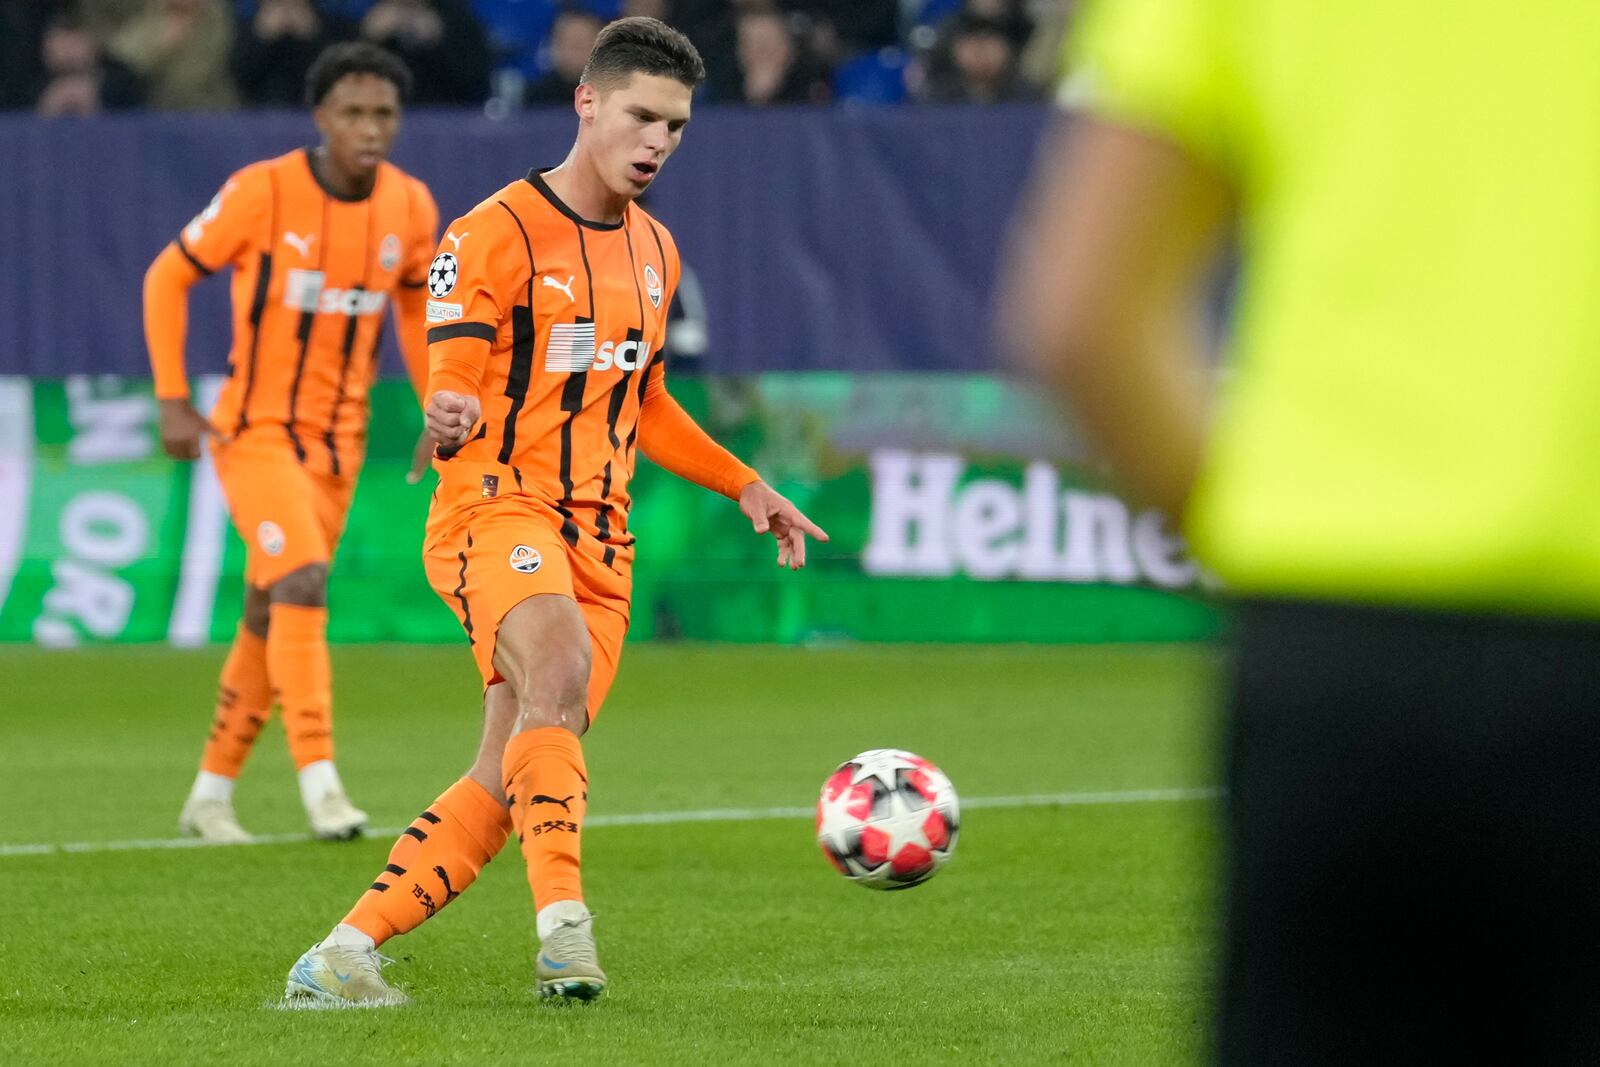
column 407, row 284
column 348, row 349
column 428, row 816
column 308, row 319
column 350, row 338
column 460, row 593
column 619, row 395
column 519, row 376
column 571, row 403
column 205, row 271
column 302, row 334
column 258, row 305
column 481, row 330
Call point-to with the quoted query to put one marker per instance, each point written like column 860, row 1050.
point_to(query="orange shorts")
column 287, row 515
column 504, row 553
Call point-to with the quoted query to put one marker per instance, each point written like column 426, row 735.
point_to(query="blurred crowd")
column 80, row 57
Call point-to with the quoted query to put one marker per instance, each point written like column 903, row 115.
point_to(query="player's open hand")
column 181, row 428
column 451, row 417
column 769, row 511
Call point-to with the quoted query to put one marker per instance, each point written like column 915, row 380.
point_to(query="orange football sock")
column 297, row 663
column 433, row 862
column 547, row 785
column 244, row 703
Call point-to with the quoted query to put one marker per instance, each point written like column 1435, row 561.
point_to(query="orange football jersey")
column 312, row 275
column 556, row 323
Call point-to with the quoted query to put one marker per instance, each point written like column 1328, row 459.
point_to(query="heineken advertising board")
column 957, row 508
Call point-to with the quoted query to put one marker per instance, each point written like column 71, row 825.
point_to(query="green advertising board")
column 957, row 508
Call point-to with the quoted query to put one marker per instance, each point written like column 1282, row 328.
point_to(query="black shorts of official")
column 1412, row 869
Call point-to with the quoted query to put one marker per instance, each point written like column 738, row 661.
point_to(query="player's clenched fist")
column 451, row 417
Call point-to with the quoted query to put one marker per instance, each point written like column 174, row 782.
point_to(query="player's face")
column 633, row 128
column 358, row 120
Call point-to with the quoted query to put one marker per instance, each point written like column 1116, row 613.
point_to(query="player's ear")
column 586, row 101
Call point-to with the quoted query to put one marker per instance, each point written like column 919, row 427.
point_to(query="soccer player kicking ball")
column 318, row 240
column 548, row 309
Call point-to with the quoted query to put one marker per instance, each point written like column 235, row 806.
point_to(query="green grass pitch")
column 1074, row 933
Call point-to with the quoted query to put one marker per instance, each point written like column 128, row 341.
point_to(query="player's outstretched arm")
column 673, row 440
column 769, row 511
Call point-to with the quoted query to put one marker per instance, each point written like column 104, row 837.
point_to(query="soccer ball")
column 888, row 819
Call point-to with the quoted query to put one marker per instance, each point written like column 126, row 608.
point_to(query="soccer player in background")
column 547, row 312
column 319, row 241
column 1400, row 481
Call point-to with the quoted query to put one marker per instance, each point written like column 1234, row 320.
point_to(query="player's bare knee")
column 304, row 586
column 257, row 610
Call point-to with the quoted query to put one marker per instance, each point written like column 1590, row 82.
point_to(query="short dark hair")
column 355, row 57
column 641, row 45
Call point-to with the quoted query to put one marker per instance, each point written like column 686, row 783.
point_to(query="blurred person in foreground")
column 547, row 319
column 319, row 241
column 1399, row 482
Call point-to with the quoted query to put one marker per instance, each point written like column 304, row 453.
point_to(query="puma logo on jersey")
column 542, row 798
column 551, row 283
column 303, row 244
column 456, row 241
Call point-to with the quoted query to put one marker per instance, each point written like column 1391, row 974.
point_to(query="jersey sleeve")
column 213, row 239
column 1155, row 65
column 674, row 441
column 226, row 228
column 468, row 282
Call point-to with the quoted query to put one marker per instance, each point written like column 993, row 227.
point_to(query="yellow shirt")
column 1414, row 413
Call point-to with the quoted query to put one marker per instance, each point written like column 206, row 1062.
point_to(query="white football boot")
column 340, row 976
column 334, row 818
column 568, row 964
column 212, row 820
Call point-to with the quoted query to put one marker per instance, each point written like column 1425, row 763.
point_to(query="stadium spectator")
column 274, row 50
column 180, row 49
column 442, row 42
column 21, row 70
column 839, row 29
column 77, row 78
column 977, row 64
column 571, row 40
column 1010, row 14
column 773, row 67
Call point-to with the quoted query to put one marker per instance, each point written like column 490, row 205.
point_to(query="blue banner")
column 823, row 239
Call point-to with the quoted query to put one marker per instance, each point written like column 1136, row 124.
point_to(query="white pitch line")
column 646, row 818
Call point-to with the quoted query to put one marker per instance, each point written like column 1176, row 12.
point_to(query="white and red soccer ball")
column 888, row 819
